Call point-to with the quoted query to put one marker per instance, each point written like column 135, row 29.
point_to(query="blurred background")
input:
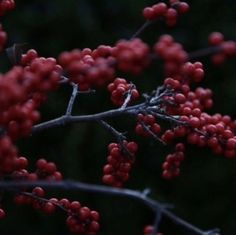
column 204, row 193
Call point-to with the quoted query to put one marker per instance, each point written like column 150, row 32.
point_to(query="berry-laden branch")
column 179, row 101
column 157, row 207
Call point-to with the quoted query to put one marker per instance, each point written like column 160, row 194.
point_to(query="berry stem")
column 204, row 52
column 148, row 130
column 41, row 199
column 119, row 136
column 146, row 24
column 157, row 222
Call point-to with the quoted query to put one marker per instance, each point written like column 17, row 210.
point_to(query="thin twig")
column 72, row 99
column 157, row 221
column 89, row 91
column 149, row 131
column 204, row 52
column 128, row 97
column 118, row 135
column 146, row 191
column 192, row 56
column 120, row 138
column 166, row 117
column 37, row 198
column 159, row 94
column 142, row 28
column 63, row 80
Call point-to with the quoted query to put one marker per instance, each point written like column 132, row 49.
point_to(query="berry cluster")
column 120, row 160
column 175, row 61
column 95, row 68
column 35, row 199
column 147, row 125
column 226, row 48
column 172, row 53
column 88, row 68
column 11, row 90
column 46, row 72
column 216, row 132
column 102, row 51
column 21, row 84
column 148, row 230
column 182, row 101
column 26, row 85
column 22, row 91
column 44, row 170
column 193, row 72
column 172, row 162
column 168, row 13
column 132, row 56
column 47, row 170
column 19, row 119
column 80, row 220
column 200, row 128
column 6, row 5
column 120, row 89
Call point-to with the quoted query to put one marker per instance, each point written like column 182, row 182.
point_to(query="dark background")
column 205, row 192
